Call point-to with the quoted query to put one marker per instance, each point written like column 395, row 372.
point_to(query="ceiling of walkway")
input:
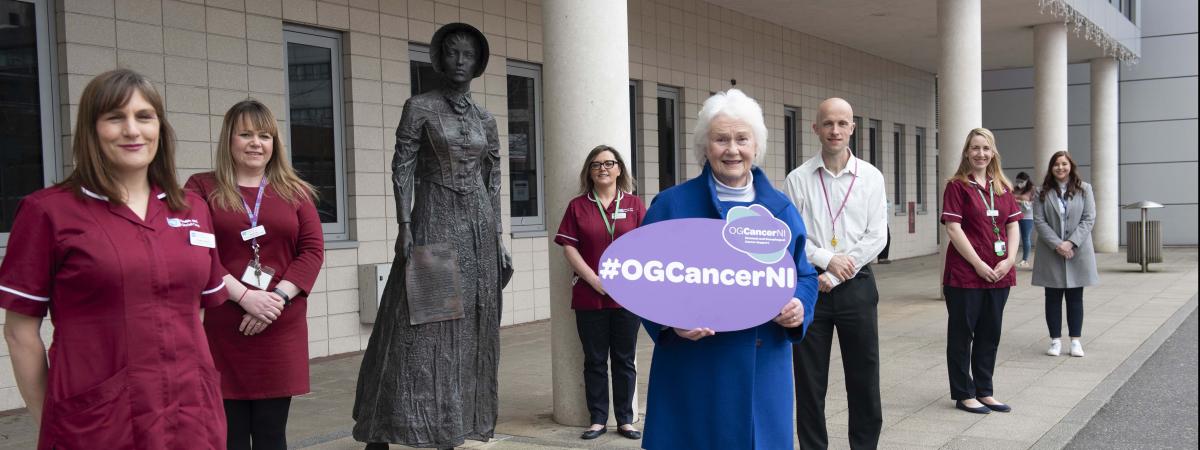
column 905, row 31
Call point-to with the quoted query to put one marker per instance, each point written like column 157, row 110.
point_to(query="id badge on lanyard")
column 256, row 274
column 999, row 246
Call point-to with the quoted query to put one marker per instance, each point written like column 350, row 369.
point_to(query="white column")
column 586, row 85
column 1049, row 95
column 1105, row 145
column 960, row 86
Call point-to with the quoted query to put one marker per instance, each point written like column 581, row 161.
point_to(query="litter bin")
column 1144, row 238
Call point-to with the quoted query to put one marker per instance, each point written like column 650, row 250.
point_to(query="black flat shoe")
column 592, row 434
column 999, row 407
column 630, row 433
column 980, row 410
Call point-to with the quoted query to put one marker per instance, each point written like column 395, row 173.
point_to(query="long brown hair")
column 1000, row 182
column 1050, row 184
column 625, row 181
column 93, row 171
column 282, row 178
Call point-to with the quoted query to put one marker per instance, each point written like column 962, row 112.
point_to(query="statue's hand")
column 507, row 257
column 404, row 241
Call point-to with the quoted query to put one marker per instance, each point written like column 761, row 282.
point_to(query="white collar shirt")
column 860, row 230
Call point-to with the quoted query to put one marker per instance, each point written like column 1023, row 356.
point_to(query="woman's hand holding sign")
column 694, row 334
column 792, row 314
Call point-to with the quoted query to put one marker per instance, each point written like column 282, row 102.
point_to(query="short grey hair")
column 736, row 105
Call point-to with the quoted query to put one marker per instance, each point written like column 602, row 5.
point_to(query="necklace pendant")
column 833, row 242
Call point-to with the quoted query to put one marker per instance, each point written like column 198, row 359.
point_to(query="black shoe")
column 592, row 434
column 629, row 433
column 999, row 407
column 980, row 410
column 376, row 446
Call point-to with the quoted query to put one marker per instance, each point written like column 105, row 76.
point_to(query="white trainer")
column 1076, row 349
column 1055, row 348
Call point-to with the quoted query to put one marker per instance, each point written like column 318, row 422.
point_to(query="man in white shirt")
column 842, row 201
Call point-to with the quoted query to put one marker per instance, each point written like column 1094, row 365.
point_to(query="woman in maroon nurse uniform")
column 605, row 210
column 265, row 221
column 123, row 259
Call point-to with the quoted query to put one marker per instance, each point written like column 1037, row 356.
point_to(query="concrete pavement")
column 1052, row 397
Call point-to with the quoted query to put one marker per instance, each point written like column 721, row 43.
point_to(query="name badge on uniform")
column 257, row 275
column 1000, row 247
column 993, row 213
column 202, row 239
column 618, row 214
column 252, row 233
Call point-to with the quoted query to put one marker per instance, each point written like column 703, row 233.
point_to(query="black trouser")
column 887, row 245
column 972, row 338
column 1054, row 298
column 851, row 308
column 603, row 333
column 263, row 421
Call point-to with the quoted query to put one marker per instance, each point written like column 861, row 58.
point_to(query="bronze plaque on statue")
column 433, row 284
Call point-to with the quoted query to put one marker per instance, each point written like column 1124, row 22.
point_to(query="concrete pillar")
column 1105, row 143
column 586, row 86
column 1049, row 95
column 960, row 87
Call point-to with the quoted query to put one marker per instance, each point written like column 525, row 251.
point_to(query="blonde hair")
column 93, row 171
column 282, row 178
column 1000, row 182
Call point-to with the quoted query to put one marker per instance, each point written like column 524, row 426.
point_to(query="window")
column 315, row 127
column 791, row 142
column 28, row 127
column 670, row 163
column 921, row 168
column 898, row 169
column 633, row 132
column 421, row 75
column 856, row 140
column 524, row 146
column 874, row 143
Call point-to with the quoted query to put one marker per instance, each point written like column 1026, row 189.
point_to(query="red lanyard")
column 834, row 217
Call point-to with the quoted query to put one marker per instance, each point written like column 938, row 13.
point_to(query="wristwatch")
column 287, row 299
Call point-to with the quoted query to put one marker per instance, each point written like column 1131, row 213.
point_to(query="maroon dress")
column 273, row 363
column 129, row 368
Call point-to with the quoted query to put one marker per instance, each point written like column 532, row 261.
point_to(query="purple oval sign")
column 726, row 275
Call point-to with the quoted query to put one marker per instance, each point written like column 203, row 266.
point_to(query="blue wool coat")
column 732, row 390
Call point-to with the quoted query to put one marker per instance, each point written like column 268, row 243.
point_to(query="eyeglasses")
column 596, row 165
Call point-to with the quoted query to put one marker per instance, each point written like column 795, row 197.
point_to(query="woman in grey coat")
column 1063, row 213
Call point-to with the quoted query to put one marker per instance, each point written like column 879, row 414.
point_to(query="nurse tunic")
column 129, row 365
column 732, row 390
column 273, row 363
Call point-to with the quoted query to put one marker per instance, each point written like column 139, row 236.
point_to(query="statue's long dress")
column 434, row 385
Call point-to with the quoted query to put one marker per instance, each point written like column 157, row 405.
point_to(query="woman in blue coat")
column 731, row 390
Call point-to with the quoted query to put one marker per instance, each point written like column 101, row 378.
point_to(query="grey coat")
column 1049, row 268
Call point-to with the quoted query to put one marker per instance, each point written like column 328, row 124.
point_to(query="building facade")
column 1158, row 120
column 337, row 73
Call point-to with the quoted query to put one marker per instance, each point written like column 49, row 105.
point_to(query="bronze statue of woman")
column 428, row 378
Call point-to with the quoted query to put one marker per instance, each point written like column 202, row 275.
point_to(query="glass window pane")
column 310, row 99
column 424, row 79
column 790, row 152
column 21, row 168
column 522, row 146
column 633, row 133
column 666, row 143
column 920, row 158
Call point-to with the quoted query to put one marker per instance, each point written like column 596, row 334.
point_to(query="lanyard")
column 611, row 227
column 253, row 213
column 990, row 207
column 829, row 209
